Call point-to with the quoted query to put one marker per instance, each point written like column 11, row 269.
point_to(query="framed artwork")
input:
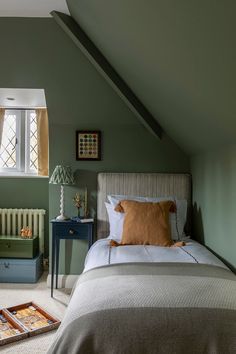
column 88, row 145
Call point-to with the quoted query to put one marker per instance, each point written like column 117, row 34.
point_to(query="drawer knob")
column 8, row 245
column 71, row 232
column 6, row 265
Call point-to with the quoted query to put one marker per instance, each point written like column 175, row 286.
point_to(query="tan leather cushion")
column 146, row 223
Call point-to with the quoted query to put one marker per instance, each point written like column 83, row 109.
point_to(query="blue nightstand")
column 67, row 230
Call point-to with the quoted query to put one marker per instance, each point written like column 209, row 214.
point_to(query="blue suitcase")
column 21, row 270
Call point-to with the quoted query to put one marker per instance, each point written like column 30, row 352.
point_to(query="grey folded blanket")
column 147, row 308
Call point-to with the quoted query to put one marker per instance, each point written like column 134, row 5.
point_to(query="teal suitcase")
column 21, row 270
column 17, row 247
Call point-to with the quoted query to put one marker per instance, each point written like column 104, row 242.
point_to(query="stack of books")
column 81, row 219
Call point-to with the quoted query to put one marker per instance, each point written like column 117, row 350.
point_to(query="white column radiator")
column 13, row 220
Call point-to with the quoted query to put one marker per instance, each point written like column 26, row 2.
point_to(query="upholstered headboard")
column 140, row 184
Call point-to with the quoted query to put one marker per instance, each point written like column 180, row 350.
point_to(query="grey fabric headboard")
column 140, row 184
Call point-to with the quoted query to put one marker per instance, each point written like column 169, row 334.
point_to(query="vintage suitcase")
column 21, row 270
column 17, row 247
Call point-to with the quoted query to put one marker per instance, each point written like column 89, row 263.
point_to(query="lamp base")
column 62, row 218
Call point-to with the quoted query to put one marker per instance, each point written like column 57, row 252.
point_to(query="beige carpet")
column 13, row 294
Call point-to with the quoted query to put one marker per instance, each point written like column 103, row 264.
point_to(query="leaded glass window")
column 33, row 142
column 8, row 150
column 19, row 145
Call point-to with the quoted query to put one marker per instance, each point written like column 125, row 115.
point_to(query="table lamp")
column 62, row 175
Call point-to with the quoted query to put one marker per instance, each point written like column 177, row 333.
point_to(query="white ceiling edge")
column 31, row 8
column 23, row 98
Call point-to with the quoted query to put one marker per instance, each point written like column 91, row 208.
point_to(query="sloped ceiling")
column 30, row 8
column 179, row 57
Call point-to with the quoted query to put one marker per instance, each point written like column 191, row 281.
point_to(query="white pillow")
column 116, row 221
column 177, row 220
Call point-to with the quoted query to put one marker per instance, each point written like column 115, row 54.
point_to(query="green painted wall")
column 37, row 54
column 214, row 195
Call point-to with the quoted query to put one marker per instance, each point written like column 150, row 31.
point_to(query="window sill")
column 20, row 175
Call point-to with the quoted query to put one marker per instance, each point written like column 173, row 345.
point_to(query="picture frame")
column 88, row 145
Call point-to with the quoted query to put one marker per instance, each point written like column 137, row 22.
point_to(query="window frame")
column 22, row 168
column 27, row 143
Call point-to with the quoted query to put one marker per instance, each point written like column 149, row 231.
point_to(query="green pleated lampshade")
column 62, row 175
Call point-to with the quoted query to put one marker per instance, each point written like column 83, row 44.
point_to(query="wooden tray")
column 33, row 318
column 12, row 325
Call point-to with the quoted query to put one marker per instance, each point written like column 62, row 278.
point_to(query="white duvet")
column 101, row 254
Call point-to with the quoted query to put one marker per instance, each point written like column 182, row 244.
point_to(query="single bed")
column 149, row 299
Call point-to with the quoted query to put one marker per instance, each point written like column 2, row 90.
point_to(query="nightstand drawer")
column 67, row 231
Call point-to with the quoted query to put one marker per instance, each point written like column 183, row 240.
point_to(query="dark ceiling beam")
column 80, row 38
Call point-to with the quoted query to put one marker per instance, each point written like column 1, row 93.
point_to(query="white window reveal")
column 19, row 145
